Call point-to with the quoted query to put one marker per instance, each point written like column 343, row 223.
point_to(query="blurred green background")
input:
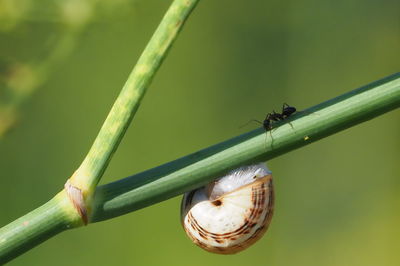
column 62, row 64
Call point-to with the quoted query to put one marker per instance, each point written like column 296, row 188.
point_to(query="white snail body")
column 231, row 213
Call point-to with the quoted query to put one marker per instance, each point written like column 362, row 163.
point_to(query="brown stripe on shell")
column 241, row 229
column 259, row 232
column 258, row 199
column 186, row 202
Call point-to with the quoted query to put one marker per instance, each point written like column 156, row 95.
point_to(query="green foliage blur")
column 62, row 64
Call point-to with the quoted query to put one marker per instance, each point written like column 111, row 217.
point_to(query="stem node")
column 75, row 195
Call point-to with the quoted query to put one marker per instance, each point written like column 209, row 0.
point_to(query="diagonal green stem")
column 37, row 226
column 194, row 170
column 127, row 103
column 59, row 214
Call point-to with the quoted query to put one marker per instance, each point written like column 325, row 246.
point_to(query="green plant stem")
column 116, row 124
column 194, row 170
column 36, row 227
column 59, row 214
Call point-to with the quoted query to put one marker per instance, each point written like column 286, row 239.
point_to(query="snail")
column 230, row 214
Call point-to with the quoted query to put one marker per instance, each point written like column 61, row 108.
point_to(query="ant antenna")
column 252, row 120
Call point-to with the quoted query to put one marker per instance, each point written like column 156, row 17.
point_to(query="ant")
column 287, row 111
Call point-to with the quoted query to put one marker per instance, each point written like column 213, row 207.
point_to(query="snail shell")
column 230, row 214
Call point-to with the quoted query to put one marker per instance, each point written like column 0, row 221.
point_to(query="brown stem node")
column 76, row 196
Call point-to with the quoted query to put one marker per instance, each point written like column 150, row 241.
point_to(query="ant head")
column 267, row 124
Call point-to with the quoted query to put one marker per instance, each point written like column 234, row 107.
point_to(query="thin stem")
column 36, row 227
column 194, row 170
column 69, row 208
column 116, row 124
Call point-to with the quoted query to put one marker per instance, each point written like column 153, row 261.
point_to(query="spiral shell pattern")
column 231, row 213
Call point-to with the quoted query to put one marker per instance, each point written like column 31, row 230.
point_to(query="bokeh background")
column 62, row 64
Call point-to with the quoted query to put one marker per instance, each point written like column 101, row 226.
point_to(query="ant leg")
column 270, row 132
column 266, row 139
column 272, row 139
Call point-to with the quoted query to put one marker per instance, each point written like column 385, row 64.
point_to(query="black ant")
column 287, row 111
